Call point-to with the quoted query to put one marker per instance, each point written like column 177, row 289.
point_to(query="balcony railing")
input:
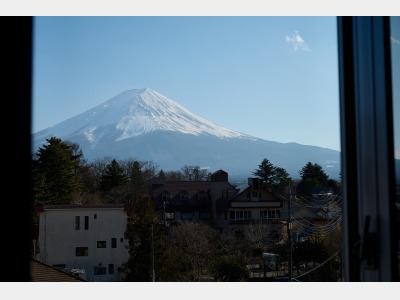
column 255, row 221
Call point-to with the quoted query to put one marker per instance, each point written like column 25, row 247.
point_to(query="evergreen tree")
column 273, row 178
column 313, row 179
column 91, row 179
column 266, row 172
column 161, row 174
column 113, row 182
column 137, row 182
column 113, row 177
column 139, row 174
column 56, row 171
column 143, row 234
column 281, row 180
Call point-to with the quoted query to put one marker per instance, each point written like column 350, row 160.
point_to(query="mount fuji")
column 142, row 124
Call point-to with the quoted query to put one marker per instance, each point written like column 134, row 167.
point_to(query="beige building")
column 255, row 207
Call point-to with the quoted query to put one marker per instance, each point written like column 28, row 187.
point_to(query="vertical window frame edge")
column 365, row 79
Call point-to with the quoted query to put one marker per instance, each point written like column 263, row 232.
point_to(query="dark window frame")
column 81, row 251
column 97, row 271
column 113, row 242
column 240, row 215
column 111, row 269
column 204, row 215
column 77, row 222
column 367, row 156
column 187, row 213
column 101, row 244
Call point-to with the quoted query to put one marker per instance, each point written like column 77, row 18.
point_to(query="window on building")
column 77, row 222
column 81, row 251
column 268, row 214
column 86, row 222
column 121, row 240
column 101, row 244
column 114, row 243
column 263, row 214
column 95, row 216
column 184, row 196
column 99, row 271
column 203, row 198
column 240, row 215
column 187, row 216
column 169, row 216
column 204, row 215
column 111, row 269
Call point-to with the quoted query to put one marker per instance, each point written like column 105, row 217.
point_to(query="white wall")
column 59, row 239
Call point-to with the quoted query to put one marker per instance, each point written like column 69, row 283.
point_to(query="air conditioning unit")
column 81, row 273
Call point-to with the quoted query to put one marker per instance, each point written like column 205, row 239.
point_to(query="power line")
column 323, row 263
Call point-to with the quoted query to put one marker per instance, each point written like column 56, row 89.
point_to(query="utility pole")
column 152, row 250
column 289, row 233
column 165, row 218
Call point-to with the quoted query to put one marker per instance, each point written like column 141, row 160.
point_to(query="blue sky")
column 275, row 78
column 395, row 48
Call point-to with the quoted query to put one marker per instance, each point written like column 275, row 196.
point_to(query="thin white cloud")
column 394, row 40
column 296, row 42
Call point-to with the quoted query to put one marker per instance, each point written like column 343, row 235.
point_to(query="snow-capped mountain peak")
column 136, row 112
column 150, row 111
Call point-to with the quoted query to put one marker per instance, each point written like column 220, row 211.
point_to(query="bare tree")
column 195, row 243
column 194, row 173
column 173, row 176
column 259, row 234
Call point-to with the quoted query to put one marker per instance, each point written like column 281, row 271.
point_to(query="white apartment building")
column 85, row 238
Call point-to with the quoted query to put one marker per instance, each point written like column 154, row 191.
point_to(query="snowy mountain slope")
column 145, row 125
column 133, row 113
